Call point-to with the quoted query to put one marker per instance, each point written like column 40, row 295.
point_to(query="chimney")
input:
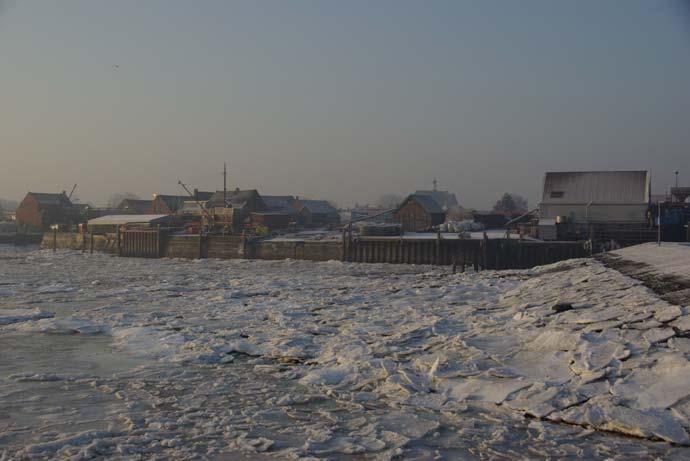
column 196, row 194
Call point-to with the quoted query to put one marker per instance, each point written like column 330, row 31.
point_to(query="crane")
column 72, row 192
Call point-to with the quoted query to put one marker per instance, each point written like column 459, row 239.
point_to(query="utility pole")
column 676, row 179
column 225, row 185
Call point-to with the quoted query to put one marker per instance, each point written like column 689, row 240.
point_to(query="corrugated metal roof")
column 122, row 219
column 611, row 187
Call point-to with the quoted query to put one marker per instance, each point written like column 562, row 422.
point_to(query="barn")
column 419, row 213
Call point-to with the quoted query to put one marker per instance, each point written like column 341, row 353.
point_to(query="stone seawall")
column 74, row 241
column 214, row 246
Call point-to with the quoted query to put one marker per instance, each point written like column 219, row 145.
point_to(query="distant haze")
column 344, row 101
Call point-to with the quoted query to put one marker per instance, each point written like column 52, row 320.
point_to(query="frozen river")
column 129, row 358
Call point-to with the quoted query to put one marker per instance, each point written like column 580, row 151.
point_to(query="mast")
column 225, row 185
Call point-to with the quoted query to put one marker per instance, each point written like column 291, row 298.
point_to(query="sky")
column 344, row 101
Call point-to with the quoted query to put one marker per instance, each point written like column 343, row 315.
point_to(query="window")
column 556, row 194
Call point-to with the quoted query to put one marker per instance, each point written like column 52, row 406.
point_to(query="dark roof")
column 50, row 199
column 278, row 202
column 235, row 198
column 444, row 198
column 140, row 206
column 425, row 201
column 174, row 202
column 318, row 206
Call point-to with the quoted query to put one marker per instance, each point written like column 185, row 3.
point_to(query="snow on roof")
column 611, row 187
column 121, row 219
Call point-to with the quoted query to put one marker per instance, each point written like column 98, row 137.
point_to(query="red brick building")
column 38, row 211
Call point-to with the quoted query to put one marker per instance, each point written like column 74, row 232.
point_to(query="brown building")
column 419, row 213
column 317, row 213
column 38, row 211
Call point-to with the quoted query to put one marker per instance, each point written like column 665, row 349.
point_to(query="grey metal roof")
column 610, row 187
column 426, row 201
column 444, row 198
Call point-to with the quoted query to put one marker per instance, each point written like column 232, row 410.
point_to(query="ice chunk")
column 8, row 316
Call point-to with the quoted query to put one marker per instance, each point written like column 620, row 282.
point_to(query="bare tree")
column 117, row 198
column 510, row 204
column 389, row 201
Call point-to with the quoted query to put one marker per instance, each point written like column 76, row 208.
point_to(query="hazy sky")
column 343, row 100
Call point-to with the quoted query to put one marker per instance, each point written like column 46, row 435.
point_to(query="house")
column 446, row 200
column 242, row 201
column 582, row 197
column 603, row 205
column 169, row 204
column 280, row 203
column 418, row 213
column 38, row 211
column 317, row 213
column 135, row 206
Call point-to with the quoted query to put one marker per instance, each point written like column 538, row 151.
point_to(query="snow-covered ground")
column 668, row 258
column 118, row 357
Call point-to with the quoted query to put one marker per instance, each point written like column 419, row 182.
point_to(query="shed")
column 40, row 210
column 419, row 212
column 110, row 223
column 596, row 196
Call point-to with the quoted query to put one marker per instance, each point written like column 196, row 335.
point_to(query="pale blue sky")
column 344, row 100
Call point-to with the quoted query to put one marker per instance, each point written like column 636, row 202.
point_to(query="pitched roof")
column 425, row 201
column 318, row 206
column 174, row 202
column 278, row 202
column 444, row 198
column 611, row 187
column 50, row 199
column 235, row 198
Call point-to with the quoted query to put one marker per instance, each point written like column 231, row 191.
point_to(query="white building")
column 583, row 197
